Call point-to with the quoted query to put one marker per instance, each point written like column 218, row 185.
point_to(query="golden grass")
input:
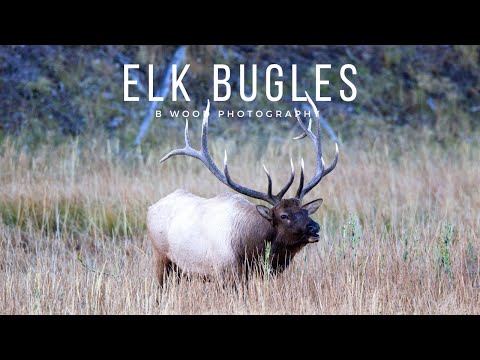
column 400, row 232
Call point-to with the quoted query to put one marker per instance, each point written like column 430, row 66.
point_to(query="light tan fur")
column 204, row 236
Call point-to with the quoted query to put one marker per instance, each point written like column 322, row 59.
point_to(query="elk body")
column 226, row 233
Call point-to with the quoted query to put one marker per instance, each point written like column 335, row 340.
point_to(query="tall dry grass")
column 400, row 231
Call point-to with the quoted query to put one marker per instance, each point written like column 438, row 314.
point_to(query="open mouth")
column 313, row 238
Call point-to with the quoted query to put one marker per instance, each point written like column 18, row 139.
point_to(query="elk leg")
column 162, row 263
column 173, row 268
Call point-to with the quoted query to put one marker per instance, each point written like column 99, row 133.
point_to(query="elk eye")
column 284, row 216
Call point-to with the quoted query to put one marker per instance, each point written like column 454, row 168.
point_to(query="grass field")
column 400, row 230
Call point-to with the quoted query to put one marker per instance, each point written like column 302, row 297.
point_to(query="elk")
column 225, row 233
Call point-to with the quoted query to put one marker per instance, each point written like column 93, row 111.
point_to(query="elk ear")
column 265, row 212
column 312, row 206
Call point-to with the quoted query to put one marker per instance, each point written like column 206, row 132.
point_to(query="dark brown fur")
column 286, row 239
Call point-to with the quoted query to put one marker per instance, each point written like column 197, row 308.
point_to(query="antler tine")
column 306, row 131
column 187, row 138
column 176, row 152
column 206, row 114
column 334, row 163
column 243, row 190
column 301, row 136
column 318, row 139
column 317, row 115
column 289, row 183
column 201, row 155
column 269, row 193
column 300, row 186
column 205, row 156
column 187, row 150
column 320, row 170
column 319, row 173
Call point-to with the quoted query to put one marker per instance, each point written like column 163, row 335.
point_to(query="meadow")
column 400, row 229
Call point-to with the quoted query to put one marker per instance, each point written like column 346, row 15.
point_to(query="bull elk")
column 227, row 232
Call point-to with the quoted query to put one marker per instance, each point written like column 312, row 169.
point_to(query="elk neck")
column 283, row 250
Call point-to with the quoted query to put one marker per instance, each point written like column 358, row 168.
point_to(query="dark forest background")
column 51, row 93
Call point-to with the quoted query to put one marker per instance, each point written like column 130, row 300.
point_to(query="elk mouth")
column 313, row 238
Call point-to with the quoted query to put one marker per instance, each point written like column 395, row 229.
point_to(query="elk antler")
column 320, row 170
column 225, row 178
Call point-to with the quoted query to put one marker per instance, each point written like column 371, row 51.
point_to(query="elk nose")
column 313, row 228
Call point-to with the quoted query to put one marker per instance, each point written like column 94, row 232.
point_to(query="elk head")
column 288, row 216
